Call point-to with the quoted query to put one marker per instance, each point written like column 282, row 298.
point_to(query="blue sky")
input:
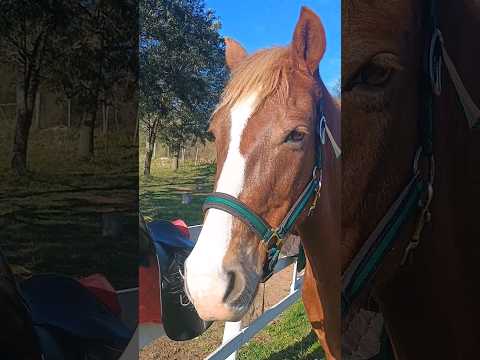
column 264, row 23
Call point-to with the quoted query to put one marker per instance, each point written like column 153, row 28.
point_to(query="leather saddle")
column 69, row 322
column 172, row 247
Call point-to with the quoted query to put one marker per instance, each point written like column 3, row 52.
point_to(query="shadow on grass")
column 161, row 195
column 296, row 350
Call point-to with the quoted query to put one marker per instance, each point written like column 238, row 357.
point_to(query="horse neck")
column 320, row 245
column 455, row 231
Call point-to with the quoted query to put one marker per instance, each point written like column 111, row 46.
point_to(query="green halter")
column 273, row 237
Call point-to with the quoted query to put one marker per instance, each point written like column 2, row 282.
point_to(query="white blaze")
column 205, row 275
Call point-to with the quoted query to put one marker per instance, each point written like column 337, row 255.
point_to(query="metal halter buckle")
column 317, row 174
column 275, row 237
column 425, row 215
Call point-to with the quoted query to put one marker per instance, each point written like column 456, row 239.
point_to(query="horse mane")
column 265, row 72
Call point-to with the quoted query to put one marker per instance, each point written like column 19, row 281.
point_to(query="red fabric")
column 150, row 307
column 182, row 226
column 103, row 290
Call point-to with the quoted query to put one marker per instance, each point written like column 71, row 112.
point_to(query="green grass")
column 51, row 219
column 288, row 337
column 161, row 193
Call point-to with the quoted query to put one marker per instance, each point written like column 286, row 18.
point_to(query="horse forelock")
column 264, row 73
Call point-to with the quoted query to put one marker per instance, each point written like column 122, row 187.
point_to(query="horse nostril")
column 235, row 286
column 230, row 286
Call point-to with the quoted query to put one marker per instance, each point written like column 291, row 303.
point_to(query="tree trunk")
column 117, row 125
column 135, row 134
column 36, row 118
column 177, row 160
column 26, row 91
column 150, row 144
column 87, row 133
column 196, row 155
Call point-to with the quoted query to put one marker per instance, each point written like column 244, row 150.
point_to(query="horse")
column 396, row 55
column 275, row 131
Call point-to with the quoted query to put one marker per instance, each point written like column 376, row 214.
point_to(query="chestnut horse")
column 429, row 304
column 268, row 142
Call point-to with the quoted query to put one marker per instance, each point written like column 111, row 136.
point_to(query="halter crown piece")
column 273, row 237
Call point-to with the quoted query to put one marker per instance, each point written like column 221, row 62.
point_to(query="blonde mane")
column 265, row 72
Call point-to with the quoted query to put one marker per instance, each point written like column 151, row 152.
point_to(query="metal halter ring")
column 435, row 67
column 431, row 165
column 322, row 128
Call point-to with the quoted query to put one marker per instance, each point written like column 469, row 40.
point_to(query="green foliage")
column 182, row 69
column 100, row 52
column 29, row 30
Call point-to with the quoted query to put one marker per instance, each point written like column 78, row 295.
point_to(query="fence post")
column 293, row 285
column 69, row 113
column 37, row 111
column 231, row 330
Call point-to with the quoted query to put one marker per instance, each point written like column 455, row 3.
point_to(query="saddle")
column 68, row 320
column 172, row 245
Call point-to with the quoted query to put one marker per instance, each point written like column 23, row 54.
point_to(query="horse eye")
column 375, row 75
column 295, row 136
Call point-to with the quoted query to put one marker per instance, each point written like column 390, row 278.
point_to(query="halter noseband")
column 273, row 237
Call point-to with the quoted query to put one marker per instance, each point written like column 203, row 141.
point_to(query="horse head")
column 266, row 131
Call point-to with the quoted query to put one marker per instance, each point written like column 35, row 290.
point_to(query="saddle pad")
column 63, row 303
column 103, row 290
column 169, row 235
column 150, row 307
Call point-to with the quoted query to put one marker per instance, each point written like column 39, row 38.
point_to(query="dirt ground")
column 275, row 289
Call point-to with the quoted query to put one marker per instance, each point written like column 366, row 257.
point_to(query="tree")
column 102, row 62
column 182, row 71
column 28, row 33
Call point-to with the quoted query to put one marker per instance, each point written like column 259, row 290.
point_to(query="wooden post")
column 196, row 155
column 37, row 111
column 115, row 118
column 104, row 119
column 69, row 113
column 107, row 108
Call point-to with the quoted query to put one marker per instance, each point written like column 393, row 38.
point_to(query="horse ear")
column 309, row 43
column 234, row 53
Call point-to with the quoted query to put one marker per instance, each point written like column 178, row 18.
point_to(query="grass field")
column 161, row 193
column 289, row 336
column 52, row 219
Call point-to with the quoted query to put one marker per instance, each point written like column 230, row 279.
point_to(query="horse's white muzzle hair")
column 207, row 283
